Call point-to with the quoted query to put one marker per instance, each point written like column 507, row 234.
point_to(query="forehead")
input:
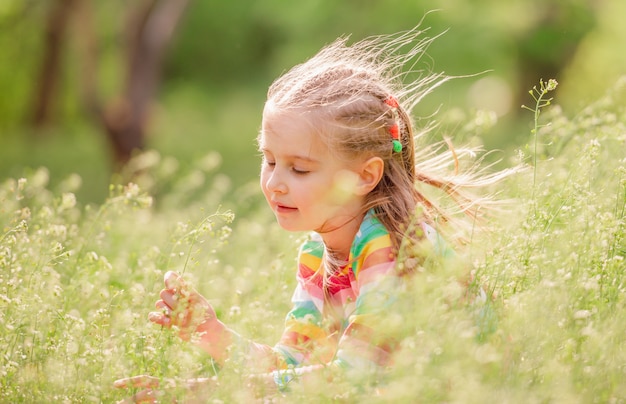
column 294, row 132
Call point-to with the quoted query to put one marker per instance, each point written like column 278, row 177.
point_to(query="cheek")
column 343, row 186
column 315, row 192
column 263, row 176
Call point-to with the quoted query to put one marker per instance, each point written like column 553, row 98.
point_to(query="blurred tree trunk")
column 549, row 47
column 49, row 70
column 148, row 32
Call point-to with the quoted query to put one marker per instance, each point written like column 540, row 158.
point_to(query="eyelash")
column 295, row 171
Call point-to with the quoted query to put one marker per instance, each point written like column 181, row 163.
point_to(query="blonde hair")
column 347, row 85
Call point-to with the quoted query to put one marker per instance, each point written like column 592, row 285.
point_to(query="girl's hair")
column 349, row 88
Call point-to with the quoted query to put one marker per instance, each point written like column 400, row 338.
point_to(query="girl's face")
column 307, row 187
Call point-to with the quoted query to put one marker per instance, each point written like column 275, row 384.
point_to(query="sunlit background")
column 188, row 78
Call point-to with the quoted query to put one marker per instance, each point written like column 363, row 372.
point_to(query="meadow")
column 77, row 281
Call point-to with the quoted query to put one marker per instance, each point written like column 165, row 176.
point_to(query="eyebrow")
column 294, row 156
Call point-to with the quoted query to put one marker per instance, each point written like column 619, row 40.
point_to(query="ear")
column 369, row 175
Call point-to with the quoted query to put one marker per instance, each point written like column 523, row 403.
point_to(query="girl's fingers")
column 160, row 318
column 143, row 396
column 163, row 316
column 144, row 381
column 169, row 298
column 173, row 281
column 160, row 304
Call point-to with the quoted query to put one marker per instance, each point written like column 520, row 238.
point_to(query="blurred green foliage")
column 226, row 54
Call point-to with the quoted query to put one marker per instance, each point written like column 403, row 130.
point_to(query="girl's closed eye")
column 300, row 171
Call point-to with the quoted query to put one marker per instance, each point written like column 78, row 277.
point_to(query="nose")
column 274, row 182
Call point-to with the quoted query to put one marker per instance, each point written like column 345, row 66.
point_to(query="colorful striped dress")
column 338, row 319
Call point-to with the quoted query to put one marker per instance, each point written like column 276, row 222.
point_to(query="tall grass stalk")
column 538, row 95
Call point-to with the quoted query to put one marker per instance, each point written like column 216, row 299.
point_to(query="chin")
column 290, row 227
column 293, row 227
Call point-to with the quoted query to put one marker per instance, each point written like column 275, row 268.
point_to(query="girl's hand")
column 149, row 394
column 193, row 388
column 181, row 306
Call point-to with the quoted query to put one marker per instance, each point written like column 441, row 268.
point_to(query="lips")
column 280, row 208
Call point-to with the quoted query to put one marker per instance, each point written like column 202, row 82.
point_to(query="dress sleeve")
column 303, row 334
column 304, row 329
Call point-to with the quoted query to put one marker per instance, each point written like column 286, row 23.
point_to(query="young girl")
column 338, row 161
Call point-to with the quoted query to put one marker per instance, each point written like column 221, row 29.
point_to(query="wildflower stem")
column 538, row 95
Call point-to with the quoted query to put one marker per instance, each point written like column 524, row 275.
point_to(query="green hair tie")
column 397, row 146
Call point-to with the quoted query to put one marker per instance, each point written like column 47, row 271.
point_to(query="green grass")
column 77, row 281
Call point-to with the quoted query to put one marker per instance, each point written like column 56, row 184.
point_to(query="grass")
column 77, row 281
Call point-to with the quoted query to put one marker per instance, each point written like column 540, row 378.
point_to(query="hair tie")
column 394, row 130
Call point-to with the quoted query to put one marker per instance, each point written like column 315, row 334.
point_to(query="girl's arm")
column 365, row 341
column 181, row 306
